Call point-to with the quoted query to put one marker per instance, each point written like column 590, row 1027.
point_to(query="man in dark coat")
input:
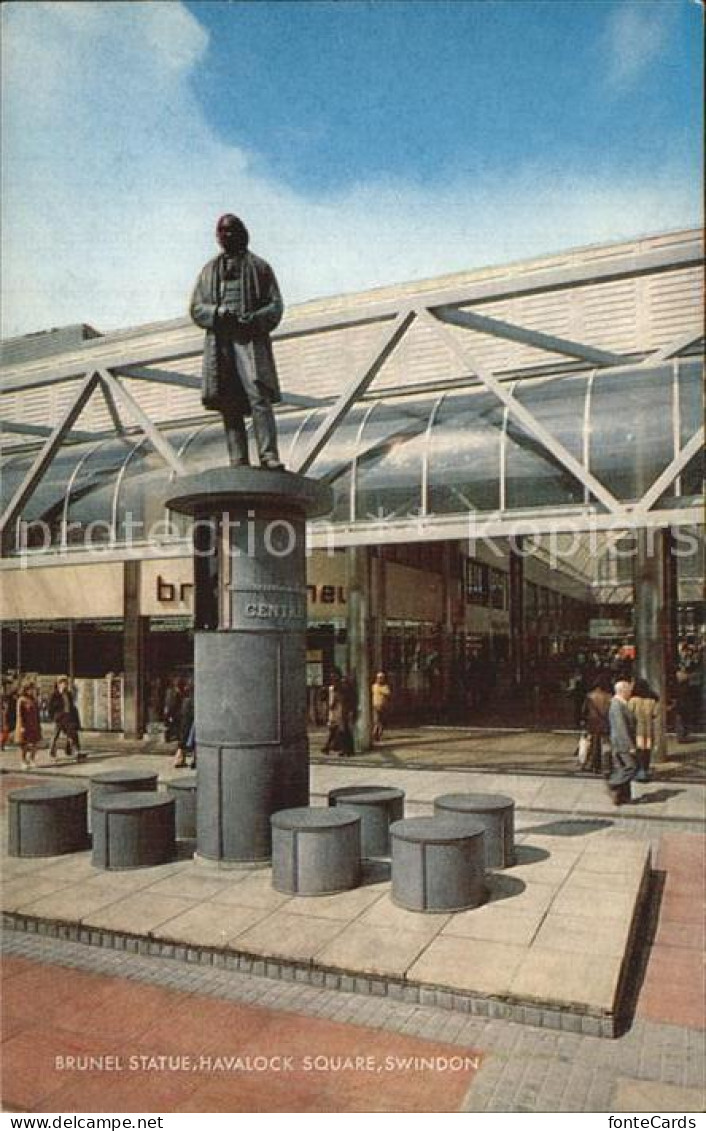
column 237, row 302
column 64, row 714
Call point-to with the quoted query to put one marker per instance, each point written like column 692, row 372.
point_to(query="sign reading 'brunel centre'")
column 168, row 591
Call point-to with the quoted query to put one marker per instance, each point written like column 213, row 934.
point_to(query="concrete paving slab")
column 586, row 903
column 689, row 803
column 15, row 866
column 70, row 904
column 614, row 858
column 597, row 936
column 549, row 872
column 192, row 884
column 23, row 890
column 603, row 881
column 282, row 935
column 553, row 843
column 161, row 871
column 137, row 913
column 519, row 895
column 494, row 923
column 254, row 889
column 119, row 885
column 642, row 802
column 650, row 1096
column 601, row 803
column 72, row 867
column 209, row 924
column 129, row 881
column 469, row 964
column 347, row 905
column 371, row 949
column 562, row 794
column 622, row 844
column 567, row 977
column 384, row 913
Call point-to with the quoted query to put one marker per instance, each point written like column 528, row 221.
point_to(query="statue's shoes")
column 240, row 463
column 272, row 465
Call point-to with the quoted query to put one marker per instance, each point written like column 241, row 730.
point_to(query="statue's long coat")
column 230, row 368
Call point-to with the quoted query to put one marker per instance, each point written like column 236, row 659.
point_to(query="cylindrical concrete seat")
column 183, row 790
column 315, row 851
column 133, row 830
column 495, row 812
column 438, row 864
column 47, row 820
column 122, row 781
column 378, row 807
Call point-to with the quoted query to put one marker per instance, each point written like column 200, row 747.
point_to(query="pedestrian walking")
column 63, row 713
column 28, row 732
column 681, row 704
column 381, row 698
column 623, row 728
column 173, row 700
column 185, row 736
column 8, row 707
column 643, row 704
column 594, row 718
column 339, row 739
column 576, row 689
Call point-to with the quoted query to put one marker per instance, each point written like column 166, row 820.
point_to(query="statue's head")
column 232, row 234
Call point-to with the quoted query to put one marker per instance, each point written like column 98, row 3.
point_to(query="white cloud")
column 636, row 35
column 112, row 180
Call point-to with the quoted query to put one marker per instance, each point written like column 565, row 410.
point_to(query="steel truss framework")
column 438, row 311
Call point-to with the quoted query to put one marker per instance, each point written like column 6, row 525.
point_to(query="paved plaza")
column 596, row 930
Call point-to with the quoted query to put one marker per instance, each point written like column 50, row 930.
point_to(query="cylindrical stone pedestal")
column 494, row 812
column 438, row 864
column 122, row 781
column 133, row 830
column 183, row 790
column 47, row 820
column 315, row 851
column 378, row 807
column 250, row 614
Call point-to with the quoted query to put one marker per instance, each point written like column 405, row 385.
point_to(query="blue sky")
column 335, row 92
column 364, row 143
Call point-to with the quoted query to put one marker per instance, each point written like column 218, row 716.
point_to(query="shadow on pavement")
column 636, row 962
column 376, row 872
column 503, row 887
column 569, row 828
column 529, row 854
column 656, row 798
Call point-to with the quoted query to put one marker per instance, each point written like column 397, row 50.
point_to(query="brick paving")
column 163, row 1049
column 674, row 988
column 521, row 1068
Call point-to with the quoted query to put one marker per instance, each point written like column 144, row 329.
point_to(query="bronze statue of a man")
column 237, row 302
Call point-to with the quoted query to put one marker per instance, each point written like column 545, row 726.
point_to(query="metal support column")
column 358, row 569
column 447, row 624
column 671, row 606
column 651, row 586
column 133, row 652
column 377, row 620
column 517, row 611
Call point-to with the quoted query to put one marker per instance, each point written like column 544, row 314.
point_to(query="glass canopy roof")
column 456, row 452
